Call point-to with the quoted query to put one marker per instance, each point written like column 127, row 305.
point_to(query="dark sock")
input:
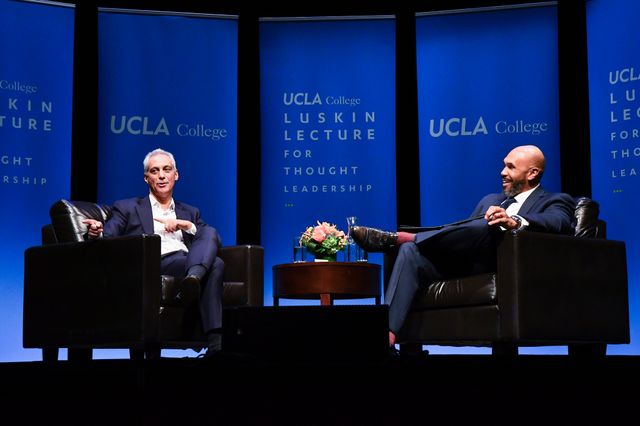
column 197, row 270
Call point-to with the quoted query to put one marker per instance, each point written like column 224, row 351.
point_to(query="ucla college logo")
column 456, row 126
column 138, row 125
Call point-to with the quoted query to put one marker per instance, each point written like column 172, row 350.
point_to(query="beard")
column 515, row 189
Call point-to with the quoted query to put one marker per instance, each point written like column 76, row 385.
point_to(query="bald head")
column 531, row 155
column 523, row 169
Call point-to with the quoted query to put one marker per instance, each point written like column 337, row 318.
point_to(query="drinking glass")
column 351, row 221
column 299, row 251
column 352, row 249
column 361, row 254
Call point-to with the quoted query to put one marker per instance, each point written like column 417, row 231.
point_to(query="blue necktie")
column 507, row 202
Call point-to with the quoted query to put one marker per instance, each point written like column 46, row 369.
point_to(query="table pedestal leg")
column 326, row 299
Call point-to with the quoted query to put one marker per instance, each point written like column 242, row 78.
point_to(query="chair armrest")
column 565, row 288
column 245, row 263
column 98, row 293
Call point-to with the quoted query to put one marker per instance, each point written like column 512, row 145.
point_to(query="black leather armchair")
column 109, row 293
column 547, row 290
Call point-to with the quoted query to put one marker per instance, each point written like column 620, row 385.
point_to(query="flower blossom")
column 323, row 239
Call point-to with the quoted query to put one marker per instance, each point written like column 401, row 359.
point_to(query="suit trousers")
column 448, row 252
column 178, row 263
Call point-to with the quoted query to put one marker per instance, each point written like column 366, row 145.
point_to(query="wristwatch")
column 518, row 220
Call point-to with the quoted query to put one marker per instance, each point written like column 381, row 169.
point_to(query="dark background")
column 573, row 97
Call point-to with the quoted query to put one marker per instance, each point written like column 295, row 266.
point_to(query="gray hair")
column 157, row 151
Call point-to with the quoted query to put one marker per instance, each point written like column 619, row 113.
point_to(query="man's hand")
column 94, row 228
column 172, row 225
column 496, row 215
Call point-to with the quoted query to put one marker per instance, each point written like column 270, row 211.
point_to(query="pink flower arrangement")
column 324, row 239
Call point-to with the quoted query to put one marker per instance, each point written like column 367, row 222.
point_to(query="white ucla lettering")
column 301, row 98
column 136, row 125
column 456, row 126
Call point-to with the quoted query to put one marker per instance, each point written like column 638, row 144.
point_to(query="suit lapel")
column 531, row 200
column 182, row 213
column 146, row 216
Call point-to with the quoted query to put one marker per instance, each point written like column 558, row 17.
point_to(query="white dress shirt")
column 514, row 208
column 169, row 241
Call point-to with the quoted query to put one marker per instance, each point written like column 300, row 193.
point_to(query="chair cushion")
column 468, row 291
column 67, row 216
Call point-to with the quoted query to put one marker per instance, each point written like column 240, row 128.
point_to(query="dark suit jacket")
column 545, row 211
column 133, row 217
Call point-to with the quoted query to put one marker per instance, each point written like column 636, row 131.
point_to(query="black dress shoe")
column 373, row 240
column 189, row 288
column 193, row 280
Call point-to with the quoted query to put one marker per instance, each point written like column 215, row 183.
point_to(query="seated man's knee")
column 409, row 248
column 209, row 233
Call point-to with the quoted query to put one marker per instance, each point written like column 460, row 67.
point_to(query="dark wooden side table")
column 326, row 280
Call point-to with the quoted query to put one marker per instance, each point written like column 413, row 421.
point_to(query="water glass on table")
column 299, row 251
column 354, row 253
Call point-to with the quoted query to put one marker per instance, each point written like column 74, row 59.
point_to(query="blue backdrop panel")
column 487, row 82
column 614, row 102
column 328, row 129
column 36, row 74
column 170, row 82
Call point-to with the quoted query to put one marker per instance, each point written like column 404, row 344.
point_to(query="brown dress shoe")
column 374, row 240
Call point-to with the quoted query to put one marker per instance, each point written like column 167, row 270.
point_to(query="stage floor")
column 239, row 389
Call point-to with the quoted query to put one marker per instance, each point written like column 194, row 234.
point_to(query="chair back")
column 586, row 219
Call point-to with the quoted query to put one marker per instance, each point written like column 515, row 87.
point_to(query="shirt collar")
column 156, row 203
column 522, row 197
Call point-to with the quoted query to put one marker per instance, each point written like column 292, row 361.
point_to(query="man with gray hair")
column 189, row 246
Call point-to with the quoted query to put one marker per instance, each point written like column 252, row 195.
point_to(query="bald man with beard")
column 469, row 246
